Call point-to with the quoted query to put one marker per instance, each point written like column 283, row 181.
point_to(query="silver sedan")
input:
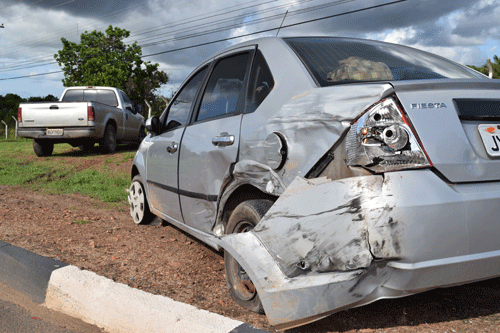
column 333, row 172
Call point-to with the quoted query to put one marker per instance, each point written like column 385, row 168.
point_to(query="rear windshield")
column 107, row 97
column 337, row 61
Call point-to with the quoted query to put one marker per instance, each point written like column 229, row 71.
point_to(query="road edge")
column 100, row 301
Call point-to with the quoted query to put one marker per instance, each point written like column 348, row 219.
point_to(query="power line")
column 241, row 36
column 44, row 62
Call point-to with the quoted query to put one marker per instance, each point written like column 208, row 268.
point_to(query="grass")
column 68, row 170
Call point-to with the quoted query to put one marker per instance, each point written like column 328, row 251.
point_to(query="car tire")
column 139, row 208
column 43, row 147
column 108, row 142
column 244, row 218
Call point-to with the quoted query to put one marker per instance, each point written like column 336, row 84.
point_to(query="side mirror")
column 130, row 108
column 139, row 108
column 153, row 125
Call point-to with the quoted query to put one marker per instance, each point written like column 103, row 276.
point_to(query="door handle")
column 223, row 139
column 172, row 148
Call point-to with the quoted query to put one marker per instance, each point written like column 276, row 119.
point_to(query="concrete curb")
column 100, row 301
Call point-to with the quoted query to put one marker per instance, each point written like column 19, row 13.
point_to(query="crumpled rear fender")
column 310, row 254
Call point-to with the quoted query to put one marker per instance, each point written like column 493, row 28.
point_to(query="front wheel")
column 139, row 209
column 43, row 147
column 243, row 219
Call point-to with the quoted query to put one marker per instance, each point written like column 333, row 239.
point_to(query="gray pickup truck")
column 83, row 116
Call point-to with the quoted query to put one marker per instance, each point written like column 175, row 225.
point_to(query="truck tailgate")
column 57, row 114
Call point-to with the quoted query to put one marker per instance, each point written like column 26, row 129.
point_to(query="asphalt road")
column 18, row 313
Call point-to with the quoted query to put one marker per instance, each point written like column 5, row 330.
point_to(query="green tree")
column 8, row 107
column 485, row 70
column 48, row 98
column 103, row 59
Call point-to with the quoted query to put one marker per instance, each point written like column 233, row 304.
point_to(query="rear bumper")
column 70, row 133
column 419, row 232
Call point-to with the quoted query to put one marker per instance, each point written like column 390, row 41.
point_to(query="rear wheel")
column 139, row 209
column 108, row 142
column 243, row 219
column 43, row 147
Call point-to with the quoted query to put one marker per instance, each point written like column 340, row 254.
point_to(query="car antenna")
column 281, row 24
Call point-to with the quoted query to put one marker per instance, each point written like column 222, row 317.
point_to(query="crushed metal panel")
column 310, row 123
column 320, row 226
column 287, row 300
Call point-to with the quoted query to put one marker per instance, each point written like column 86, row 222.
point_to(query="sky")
column 465, row 31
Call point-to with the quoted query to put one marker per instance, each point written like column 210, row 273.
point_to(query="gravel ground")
column 163, row 260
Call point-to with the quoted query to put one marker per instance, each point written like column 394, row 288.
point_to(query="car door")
column 163, row 153
column 210, row 144
column 132, row 121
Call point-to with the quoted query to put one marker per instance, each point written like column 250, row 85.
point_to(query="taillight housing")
column 90, row 113
column 382, row 139
column 20, row 115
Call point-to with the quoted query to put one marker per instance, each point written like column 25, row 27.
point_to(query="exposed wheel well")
column 112, row 123
column 242, row 193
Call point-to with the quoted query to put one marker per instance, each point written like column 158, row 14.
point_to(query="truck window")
column 73, row 96
column 107, row 97
column 125, row 98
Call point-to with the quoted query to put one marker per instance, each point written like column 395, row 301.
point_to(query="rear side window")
column 107, row 97
column 336, row 61
column 224, row 88
column 261, row 83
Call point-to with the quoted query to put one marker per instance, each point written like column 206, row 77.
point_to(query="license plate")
column 55, row 131
column 490, row 134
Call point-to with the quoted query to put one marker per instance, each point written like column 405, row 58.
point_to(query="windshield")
column 337, row 61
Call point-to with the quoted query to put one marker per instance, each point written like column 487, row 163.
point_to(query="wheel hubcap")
column 136, row 201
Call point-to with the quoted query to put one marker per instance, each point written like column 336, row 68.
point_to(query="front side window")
column 337, row 61
column 224, row 88
column 179, row 108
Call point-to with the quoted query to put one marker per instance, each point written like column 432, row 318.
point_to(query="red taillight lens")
column 20, row 115
column 90, row 113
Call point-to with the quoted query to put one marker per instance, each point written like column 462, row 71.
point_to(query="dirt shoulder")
column 165, row 261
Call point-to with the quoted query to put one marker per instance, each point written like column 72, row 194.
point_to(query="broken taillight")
column 382, row 139
column 90, row 113
column 20, row 115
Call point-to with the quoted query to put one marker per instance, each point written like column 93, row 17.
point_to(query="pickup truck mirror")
column 139, row 108
column 131, row 109
column 153, row 125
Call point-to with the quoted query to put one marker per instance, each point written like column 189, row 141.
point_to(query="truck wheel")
column 43, row 147
column 139, row 208
column 244, row 218
column 108, row 142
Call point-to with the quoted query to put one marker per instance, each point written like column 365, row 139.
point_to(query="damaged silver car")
column 333, row 172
